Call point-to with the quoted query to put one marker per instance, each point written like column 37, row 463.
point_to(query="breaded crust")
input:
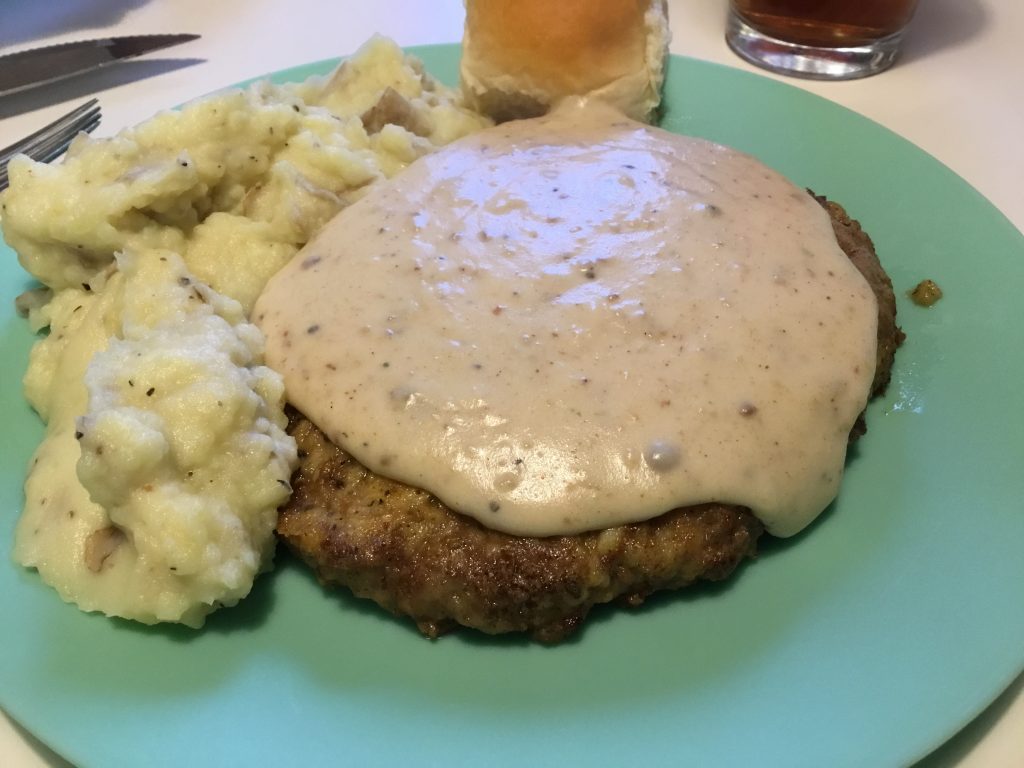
column 402, row 548
column 857, row 246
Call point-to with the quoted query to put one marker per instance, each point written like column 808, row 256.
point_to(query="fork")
column 49, row 143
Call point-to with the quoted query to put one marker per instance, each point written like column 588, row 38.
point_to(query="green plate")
column 868, row 640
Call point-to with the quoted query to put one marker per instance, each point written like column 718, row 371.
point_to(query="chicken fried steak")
column 402, row 548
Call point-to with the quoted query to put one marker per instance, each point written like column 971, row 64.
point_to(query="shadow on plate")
column 955, row 751
column 247, row 616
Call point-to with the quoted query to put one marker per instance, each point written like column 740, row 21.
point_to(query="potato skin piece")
column 400, row 547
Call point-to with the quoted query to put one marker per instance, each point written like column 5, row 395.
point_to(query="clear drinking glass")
column 821, row 39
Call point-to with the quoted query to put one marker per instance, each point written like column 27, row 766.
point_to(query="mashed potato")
column 180, row 452
column 154, row 493
column 235, row 183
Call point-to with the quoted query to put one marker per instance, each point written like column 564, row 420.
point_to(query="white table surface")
column 957, row 92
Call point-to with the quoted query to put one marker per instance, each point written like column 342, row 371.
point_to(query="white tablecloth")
column 958, row 93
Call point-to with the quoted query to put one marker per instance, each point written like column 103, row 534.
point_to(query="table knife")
column 39, row 66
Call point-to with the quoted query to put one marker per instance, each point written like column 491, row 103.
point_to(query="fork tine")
column 50, row 151
column 56, row 148
column 54, row 131
column 61, row 138
column 50, row 141
column 56, row 125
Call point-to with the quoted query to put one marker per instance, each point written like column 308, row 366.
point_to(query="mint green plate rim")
column 868, row 640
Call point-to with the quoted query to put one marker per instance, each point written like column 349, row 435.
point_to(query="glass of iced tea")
column 822, row 39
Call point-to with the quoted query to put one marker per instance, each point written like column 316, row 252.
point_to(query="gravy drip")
column 579, row 321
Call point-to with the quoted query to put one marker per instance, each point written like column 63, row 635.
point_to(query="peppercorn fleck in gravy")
column 579, row 321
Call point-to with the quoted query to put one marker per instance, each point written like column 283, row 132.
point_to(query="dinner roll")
column 521, row 56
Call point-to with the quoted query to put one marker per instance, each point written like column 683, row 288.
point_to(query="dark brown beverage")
column 826, row 23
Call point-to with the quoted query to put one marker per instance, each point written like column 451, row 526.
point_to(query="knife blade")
column 40, row 66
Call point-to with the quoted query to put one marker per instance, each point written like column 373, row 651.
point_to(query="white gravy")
column 579, row 321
